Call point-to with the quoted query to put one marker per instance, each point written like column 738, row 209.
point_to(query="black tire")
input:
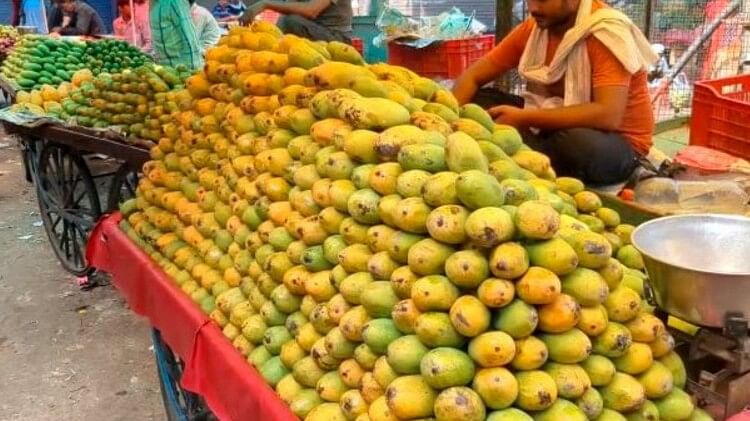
column 67, row 196
column 122, row 186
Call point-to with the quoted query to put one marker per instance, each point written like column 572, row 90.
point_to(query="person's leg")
column 596, row 157
column 305, row 28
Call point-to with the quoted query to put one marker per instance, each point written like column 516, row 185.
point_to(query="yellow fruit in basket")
column 459, row 403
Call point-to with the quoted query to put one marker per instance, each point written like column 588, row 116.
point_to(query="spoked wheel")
column 179, row 404
column 123, row 186
column 69, row 204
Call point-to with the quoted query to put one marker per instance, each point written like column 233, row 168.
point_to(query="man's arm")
column 211, row 33
column 307, row 9
column 83, row 23
column 476, row 76
column 605, row 112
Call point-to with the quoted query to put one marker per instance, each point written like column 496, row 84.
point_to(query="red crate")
column 358, row 45
column 721, row 115
column 447, row 59
column 269, row 16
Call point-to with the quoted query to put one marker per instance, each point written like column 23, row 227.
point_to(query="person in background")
column 173, row 36
column 223, row 12
column 33, row 13
column 140, row 14
column 82, row 19
column 237, row 7
column 206, row 28
column 129, row 29
column 586, row 103
column 317, row 20
column 15, row 13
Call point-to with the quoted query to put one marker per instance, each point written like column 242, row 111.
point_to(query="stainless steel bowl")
column 698, row 265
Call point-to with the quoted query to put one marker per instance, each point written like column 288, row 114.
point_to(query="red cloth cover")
column 231, row 387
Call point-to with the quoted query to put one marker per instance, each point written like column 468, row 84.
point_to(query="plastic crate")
column 269, row 16
column 357, row 44
column 447, row 59
column 721, row 115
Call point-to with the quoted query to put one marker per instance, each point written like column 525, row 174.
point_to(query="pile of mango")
column 39, row 60
column 8, row 38
column 378, row 252
column 137, row 102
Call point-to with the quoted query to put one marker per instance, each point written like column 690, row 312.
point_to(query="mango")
column 554, row 254
column 330, row 387
column 445, row 367
column 612, row 272
column 365, row 357
column 477, row 114
column 411, row 215
column 587, row 201
column 489, row 227
column 459, row 403
column 623, row 393
column 492, row 349
column 326, row 412
column 440, row 110
column 561, row 409
column 352, row 404
column 610, row 415
column 378, row 333
column 383, row 372
column 570, row 185
column 536, row 162
column 428, row 257
column 537, row 220
column 434, row 329
column 586, row 286
column 378, row 298
column 662, row 345
column 591, row 403
column 304, row 402
column 531, row 353
column 430, row 122
column 509, row 414
column 536, row 390
column 467, row 268
column 409, row 183
column 368, row 387
column 410, row 397
column 425, row 156
column 405, row 354
column 630, row 257
column 538, row 286
column 593, row 250
column 497, row 387
column 622, row 304
column 509, row 261
column 389, row 143
column 657, row 380
column 518, row 319
column 440, row 189
column 571, row 380
column 569, row 347
column 674, row 363
column 614, row 341
column 645, row 327
column 476, row 189
column 593, row 320
column 491, row 151
column 446, row 224
column 496, row 293
column 647, row 412
column 434, row 292
column 378, row 410
column 373, row 113
column 363, row 206
column 560, row 315
column 401, row 244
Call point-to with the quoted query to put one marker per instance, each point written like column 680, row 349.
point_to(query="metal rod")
column 694, row 47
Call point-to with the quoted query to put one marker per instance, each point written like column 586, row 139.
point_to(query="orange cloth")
column 606, row 70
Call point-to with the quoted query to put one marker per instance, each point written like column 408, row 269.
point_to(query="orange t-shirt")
column 606, row 70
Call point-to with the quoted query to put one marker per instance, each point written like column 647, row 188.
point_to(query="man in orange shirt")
column 593, row 128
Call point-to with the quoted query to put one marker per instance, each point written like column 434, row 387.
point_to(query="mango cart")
column 74, row 190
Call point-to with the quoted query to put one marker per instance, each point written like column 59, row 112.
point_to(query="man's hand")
column 511, row 116
column 252, row 11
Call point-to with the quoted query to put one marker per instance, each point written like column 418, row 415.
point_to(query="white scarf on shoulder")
column 615, row 30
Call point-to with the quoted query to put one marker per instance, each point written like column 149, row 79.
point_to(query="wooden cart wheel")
column 123, row 186
column 69, row 204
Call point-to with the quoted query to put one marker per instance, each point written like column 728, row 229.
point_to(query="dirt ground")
column 65, row 353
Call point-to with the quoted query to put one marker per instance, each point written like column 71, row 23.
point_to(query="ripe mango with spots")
column 405, row 353
column 427, row 257
column 571, row 380
column 492, row 151
column 622, row 304
column 593, row 320
column 472, row 128
column 440, row 189
column 593, row 250
column 657, row 381
column 614, row 341
column 518, row 319
column 489, row 226
column 562, row 409
column 560, row 315
column 591, row 403
column 423, row 156
column 536, row 390
column 623, row 393
column 586, row 286
column 410, row 397
column 435, row 329
column 469, row 316
column 554, row 254
column 459, row 403
column 467, row 268
column 462, row 153
column 568, row 347
column 378, row 333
